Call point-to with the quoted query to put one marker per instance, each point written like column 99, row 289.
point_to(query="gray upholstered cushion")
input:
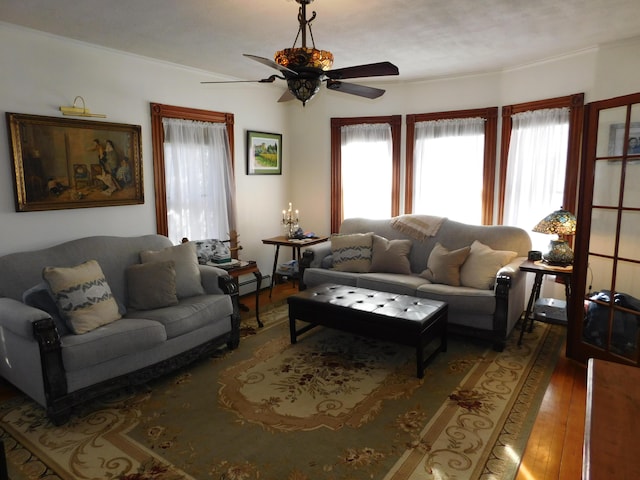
column 352, row 253
column 152, row 285
column 190, row 314
column 390, row 256
column 112, row 341
column 83, row 296
column 188, row 281
column 443, row 265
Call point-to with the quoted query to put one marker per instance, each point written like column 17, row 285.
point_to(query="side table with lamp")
column 558, row 262
column 293, row 237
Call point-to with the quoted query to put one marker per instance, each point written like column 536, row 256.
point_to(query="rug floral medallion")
column 333, row 406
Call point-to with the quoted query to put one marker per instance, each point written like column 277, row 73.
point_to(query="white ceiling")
column 424, row 38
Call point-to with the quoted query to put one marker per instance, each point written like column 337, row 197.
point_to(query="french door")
column 606, row 298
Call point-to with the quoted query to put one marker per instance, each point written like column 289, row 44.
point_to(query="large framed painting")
column 264, row 153
column 61, row 163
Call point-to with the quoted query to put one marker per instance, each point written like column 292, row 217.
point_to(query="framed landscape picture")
column 264, row 153
column 61, row 163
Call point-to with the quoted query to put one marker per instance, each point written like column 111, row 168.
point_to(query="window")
column 539, row 160
column 451, row 164
column 193, row 169
column 365, row 168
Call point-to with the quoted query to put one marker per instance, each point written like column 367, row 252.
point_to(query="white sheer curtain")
column 536, row 168
column 449, row 168
column 366, row 162
column 200, row 184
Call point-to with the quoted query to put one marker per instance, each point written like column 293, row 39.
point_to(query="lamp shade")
column 561, row 222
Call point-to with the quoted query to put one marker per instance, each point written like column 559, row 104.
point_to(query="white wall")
column 42, row 72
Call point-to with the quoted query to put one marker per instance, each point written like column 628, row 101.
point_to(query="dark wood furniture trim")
column 336, row 163
column 490, row 115
column 576, row 120
column 245, row 268
column 158, row 112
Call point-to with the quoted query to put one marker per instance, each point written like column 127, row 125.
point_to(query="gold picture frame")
column 62, row 163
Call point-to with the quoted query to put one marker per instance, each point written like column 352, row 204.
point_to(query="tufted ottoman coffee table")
column 403, row 319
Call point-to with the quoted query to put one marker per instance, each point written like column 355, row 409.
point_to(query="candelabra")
column 290, row 221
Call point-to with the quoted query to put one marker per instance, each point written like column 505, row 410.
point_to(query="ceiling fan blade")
column 270, row 79
column 354, row 89
column 272, row 64
column 286, row 96
column 380, row 69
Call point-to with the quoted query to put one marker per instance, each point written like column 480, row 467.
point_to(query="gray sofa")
column 45, row 357
column 489, row 311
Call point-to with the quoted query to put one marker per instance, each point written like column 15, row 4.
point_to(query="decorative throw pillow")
column 152, row 285
column 479, row 271
column 443, row 266
column 352, row 252
column 188, row 281
column 83, row 296
column 390, row 256
column 212, row 251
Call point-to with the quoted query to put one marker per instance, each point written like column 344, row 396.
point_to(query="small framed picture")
column 264, row 153
column 617, row 140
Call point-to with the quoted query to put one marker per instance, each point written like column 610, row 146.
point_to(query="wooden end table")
column 245, row 268
column 541, row 269
column 295, row 244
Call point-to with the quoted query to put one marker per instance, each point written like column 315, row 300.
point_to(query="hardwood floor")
column 554, row 450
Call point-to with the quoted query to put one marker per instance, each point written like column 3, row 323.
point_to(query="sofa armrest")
column 214, row 279
column 320, row 252
column 38, row 326
column 19, row 317
column 511, row 270
column 509, row 283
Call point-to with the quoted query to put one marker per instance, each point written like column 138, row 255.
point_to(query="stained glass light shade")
column 561, row 223
column 309, row 63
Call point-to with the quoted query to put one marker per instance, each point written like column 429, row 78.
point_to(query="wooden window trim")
column 575, row 103
column 490, row 139
column 336, row 163
column 158, row 112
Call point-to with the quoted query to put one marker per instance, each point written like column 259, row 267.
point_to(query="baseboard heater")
column 250, row 280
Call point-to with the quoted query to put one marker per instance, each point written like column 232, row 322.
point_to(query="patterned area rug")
column 333, row 406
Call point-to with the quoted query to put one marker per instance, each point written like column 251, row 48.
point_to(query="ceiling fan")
column 304, row 68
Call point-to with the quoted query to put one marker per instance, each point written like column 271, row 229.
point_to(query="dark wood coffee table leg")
column 437, row 328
